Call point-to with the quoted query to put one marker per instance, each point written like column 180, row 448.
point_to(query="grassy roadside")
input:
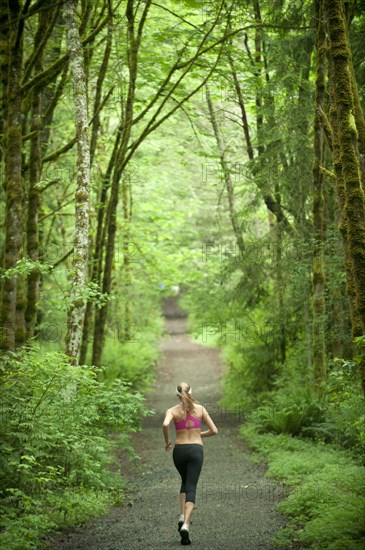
column 326, row 505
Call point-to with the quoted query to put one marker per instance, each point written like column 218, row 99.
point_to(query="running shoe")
column 185, row 536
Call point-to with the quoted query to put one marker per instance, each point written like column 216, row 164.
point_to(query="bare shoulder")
column 175, row 409
column 200, row 409
column 204, row 412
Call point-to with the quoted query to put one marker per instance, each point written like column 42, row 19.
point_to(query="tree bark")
column 127, row 268
column 34, row 194
column 134, row 43
column 97, row 261
column 350, row 280
column 341, row 194
column 318, row 270
column 340, row 55
column 82, row 196
column 13, row 295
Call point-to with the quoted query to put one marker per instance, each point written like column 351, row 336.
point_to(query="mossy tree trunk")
column 13, row 295
column 134, row 37
column 318, row 269
column 347, row 167
column 96, row 256
column 340, row 56
column 44, row 30
column 127, row 249
column 76, row 310
column 350, row 282
column 4, row 73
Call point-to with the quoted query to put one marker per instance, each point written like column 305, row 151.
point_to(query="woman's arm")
column 165, row 429
column 213, row 430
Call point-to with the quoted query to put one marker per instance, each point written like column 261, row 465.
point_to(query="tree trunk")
column 13, row 295
column 258, row 61
column 318, row 270
column 127, row 273
column 4, row 63
column 101, row 314
column 227, row 177
column 271, row 204
column 278, row 248
column 97, row 261
column 82, row 196
column 340, row 56
column 359, row 118
column 35, row 167
column 350, row 282
column 341, row 194
column 33, row 212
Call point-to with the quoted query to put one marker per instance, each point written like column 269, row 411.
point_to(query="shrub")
column 289, row 412
column 54, row 442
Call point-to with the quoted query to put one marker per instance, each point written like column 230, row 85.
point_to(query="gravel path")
column 235, row 503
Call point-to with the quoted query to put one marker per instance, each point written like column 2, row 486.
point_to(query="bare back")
column 188, row 435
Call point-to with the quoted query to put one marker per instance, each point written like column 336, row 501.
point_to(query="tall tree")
column 346, row 159
column 76, row 309
column 13, row 292
column 318, row 275
column 340, row 56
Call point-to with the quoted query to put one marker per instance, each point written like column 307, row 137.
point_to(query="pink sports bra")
column 189, row 423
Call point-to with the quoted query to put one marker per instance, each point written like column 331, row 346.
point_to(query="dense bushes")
column 336, row 417
column 289, row 404
column 56, row 461
column 289, row 412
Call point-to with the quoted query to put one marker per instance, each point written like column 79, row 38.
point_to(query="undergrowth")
column 326, row 504
column 57, row 467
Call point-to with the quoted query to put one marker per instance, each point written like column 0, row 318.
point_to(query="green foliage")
column 133, row 359
column 289, row 411
column 326, row 504
column 24, row 267
column 249, row 377
column 293, row 407
column 55, row 450
column 344, row 418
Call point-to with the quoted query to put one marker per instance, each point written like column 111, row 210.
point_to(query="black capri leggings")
column 188, row 459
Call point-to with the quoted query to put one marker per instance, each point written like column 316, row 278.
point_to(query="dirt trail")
column 235, row 503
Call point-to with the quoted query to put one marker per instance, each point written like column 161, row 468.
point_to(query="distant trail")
column 235, row 503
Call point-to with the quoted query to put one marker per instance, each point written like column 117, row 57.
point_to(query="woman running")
column 188, row 450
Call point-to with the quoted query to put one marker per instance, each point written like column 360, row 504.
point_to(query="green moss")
column 352, row 124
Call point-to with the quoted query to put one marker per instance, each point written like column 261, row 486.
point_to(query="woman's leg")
column 179, row 458
column 194, row 466
column 182, row 502
column 189, row 507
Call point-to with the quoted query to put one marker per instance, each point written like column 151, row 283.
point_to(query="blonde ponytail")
column 183, row 390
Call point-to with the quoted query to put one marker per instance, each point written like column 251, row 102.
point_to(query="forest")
column 211, row 148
